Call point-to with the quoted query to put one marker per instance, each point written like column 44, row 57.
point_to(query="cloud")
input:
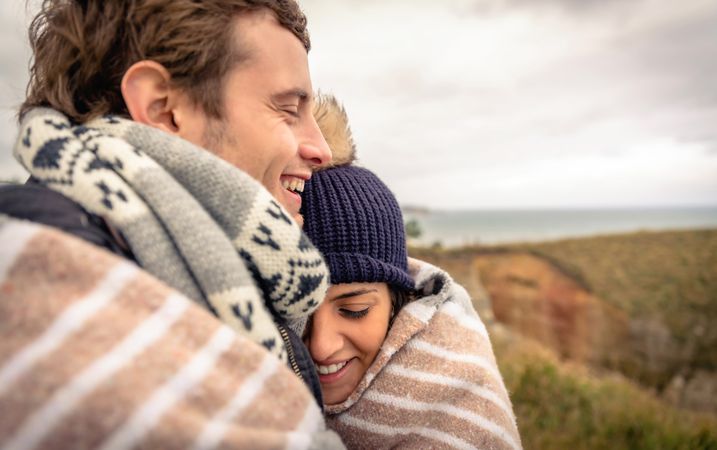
column 546, row 89
column 508, row 103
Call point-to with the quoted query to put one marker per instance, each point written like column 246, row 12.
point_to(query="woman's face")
column 346, row 333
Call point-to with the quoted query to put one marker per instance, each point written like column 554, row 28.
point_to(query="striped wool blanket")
column 97, row 353
column 434, row 383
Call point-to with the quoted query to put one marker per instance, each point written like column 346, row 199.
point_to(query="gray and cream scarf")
column 191, row 219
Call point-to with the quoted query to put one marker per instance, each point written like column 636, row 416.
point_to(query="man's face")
column 267, row 128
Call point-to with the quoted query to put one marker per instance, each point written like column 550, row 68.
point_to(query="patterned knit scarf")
column 191, row 219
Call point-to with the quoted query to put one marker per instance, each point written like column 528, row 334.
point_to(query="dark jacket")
column 36, row 203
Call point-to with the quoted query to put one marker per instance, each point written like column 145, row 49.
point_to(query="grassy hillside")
column 665, row 283
column 563, row 406
column 667, row 278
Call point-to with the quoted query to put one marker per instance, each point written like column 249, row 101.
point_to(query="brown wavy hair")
column 82, row 48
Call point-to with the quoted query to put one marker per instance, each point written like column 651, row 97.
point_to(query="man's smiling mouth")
column 293, row 184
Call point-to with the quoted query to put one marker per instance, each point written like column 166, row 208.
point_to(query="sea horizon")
column 453, row 228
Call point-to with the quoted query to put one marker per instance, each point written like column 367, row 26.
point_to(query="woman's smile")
column 334, row 372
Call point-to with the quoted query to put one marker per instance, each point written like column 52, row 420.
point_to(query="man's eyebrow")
column 295, row 92
column 353, row 293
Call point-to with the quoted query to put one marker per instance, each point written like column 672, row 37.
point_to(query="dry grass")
column 668, row 277
column 563, row 406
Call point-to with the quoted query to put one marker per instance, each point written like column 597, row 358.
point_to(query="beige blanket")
column 434, row 383
column 96, row 353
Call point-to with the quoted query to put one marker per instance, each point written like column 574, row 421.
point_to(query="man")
column 246, row 97
column 230, row 77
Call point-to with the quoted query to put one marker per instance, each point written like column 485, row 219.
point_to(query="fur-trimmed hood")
column 334, row 124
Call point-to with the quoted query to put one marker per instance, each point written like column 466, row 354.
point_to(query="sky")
column 470, row 104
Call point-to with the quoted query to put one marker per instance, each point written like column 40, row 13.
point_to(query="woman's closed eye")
column 353, row 314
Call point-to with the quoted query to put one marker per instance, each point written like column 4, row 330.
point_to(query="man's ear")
column 148, row 96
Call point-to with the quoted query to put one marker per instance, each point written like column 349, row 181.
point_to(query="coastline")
column 490, row 227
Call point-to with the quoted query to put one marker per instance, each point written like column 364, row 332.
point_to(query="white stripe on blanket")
column 457, row 383
column 310, row 423
column 420, row 311
column 460, row 413
column 149, row 331
column 214, row 431
column 464, row 320
column 440, row 352
column 14, row 235
column 142, row 421
column 67, row 323
column 389, row 430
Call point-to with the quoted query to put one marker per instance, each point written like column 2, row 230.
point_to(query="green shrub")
column 563, row 406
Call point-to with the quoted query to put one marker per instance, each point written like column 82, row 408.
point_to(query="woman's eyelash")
column 354, row 314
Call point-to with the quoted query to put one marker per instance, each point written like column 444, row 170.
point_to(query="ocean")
column 456, row 228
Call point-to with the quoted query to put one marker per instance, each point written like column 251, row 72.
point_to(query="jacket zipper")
column 290, row 352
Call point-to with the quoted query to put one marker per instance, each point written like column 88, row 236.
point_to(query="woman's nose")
column 324, row 339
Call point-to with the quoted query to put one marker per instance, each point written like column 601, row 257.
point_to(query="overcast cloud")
column 527, row 103
column 514, row 103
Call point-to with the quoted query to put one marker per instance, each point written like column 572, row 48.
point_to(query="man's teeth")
column 333, row 368
column 295, row 184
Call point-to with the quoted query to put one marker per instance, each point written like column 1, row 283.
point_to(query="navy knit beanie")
column 355, row 222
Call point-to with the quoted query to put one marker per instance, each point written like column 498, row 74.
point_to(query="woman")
column 402, row 356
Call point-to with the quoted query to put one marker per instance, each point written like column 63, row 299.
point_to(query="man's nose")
column 324, row 340
column 313, row 146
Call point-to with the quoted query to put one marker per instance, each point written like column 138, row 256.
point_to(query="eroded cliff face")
column 535, row 297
